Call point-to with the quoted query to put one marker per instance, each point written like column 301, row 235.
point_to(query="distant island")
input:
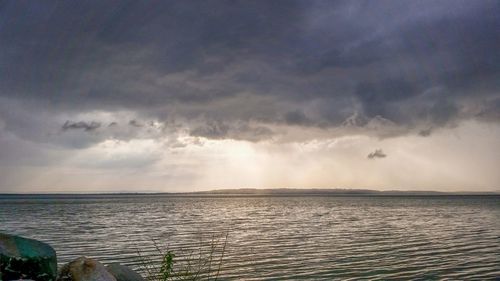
column 327, row 191
column 265, row 192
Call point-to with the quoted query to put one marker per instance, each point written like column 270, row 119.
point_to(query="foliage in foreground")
column 203, row 264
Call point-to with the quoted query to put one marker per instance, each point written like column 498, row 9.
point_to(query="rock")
column 85, row 269
column 23, row 258
column 123, row 273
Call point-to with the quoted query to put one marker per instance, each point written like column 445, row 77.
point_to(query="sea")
column 319, row 237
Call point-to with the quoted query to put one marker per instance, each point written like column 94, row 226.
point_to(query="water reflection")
column 320, row 238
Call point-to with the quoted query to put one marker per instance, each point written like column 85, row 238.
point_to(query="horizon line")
column 261, row 191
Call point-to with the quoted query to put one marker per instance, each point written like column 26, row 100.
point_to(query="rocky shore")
column 28, row 259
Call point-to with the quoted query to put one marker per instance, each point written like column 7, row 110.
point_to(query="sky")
column 148, row 96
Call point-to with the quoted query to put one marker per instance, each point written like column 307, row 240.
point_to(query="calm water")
column 276, row 238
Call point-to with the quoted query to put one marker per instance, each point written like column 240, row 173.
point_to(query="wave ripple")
column 276, row 238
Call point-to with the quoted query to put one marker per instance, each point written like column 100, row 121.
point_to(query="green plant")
column 167, row 265
column 182, row 265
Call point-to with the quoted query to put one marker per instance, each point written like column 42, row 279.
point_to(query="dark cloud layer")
column 235, row 69
column 238, row 131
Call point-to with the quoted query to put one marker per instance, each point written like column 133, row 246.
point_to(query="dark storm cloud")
column 378, row 153
column 245, row 66
column 297, row 118
column 491, row 112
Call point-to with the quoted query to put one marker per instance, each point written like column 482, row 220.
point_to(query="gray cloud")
column 239, row 131
column 244, row 67
column 378, row 153
column 425, row 132
column 490, row 111
column 297, row 118
column 86, row 126
column 135, row 123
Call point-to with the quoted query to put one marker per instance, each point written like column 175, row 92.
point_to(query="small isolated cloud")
column 378, row 153
column 425, row 132
column 135, row 123
column 86, row 126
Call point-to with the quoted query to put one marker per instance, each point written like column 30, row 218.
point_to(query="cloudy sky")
column 103, row 96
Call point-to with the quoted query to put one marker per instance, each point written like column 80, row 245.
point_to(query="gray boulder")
column 85, row 269
column 23, row 258
column 123, row 273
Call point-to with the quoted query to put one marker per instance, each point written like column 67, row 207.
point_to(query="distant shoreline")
column 254, row 192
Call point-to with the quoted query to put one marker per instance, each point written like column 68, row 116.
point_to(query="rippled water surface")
column 277, row 238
